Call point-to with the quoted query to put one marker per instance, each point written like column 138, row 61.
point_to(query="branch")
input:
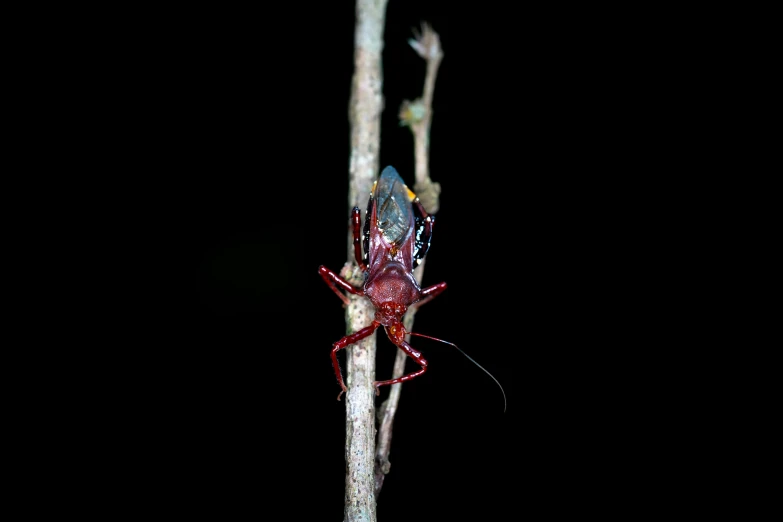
column 365, row 110
column 418, row 116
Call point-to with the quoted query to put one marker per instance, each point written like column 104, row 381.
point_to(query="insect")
column 396, row 236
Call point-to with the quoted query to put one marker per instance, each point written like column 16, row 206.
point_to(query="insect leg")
column 356, row 217
column 333, row 280
column 428, row 222
column 428, row 293
column 342, row 343
column 413, row 354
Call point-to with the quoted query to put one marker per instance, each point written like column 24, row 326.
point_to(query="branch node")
column 412, row 112
column 428, row 192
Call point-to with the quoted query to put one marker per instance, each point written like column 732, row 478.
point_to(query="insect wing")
column 393, row 210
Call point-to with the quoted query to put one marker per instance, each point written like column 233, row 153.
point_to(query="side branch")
column 417, row 115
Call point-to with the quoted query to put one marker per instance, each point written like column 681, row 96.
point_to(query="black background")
column 234, row 154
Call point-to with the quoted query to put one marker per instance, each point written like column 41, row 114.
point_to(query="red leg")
column 428, row 293
column 342, row 343
column 428, row 223
column 413, row 354
column 333, row 278
column 356, row 216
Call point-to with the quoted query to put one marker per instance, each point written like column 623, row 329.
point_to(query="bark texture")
column 366, row 106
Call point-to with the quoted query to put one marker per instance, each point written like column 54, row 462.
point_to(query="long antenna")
column 470, row 359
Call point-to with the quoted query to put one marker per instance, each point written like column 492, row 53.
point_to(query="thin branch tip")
column 426, row 43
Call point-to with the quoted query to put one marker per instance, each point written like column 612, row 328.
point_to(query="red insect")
column 396, row 237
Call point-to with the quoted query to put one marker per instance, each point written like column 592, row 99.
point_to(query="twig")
column 366, row 106
column 418, row 116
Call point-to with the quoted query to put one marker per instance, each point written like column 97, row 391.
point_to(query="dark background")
column 234, row 154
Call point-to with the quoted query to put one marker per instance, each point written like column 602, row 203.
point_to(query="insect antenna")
column 470, row 359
